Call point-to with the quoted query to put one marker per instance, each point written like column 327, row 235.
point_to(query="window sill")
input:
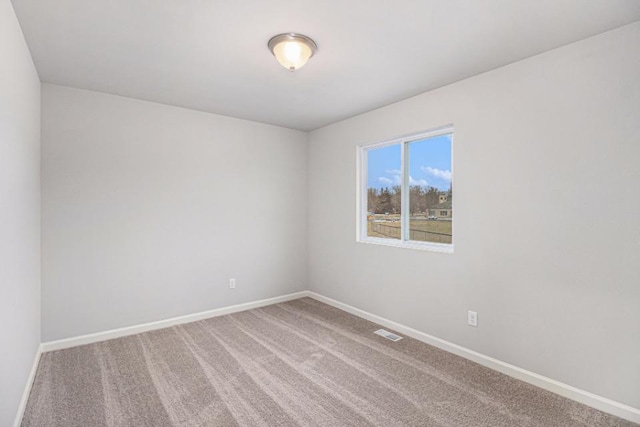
column 423, row 246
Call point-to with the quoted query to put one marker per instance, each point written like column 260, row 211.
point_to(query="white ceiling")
column 211, row 55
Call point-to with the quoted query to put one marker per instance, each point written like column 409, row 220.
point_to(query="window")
column 406, row 192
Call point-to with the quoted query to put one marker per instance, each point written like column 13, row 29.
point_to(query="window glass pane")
column 430, row 190
column 383, row 192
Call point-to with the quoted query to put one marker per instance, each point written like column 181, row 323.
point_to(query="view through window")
column 409, row 193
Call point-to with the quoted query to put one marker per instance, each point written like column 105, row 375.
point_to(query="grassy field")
column 421, row 230
column 443, row 227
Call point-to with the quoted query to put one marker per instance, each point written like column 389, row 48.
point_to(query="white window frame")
column 361, row 203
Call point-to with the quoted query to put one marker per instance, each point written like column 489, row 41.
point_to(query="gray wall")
column 19, row 213
column 149, row 210
column 546, row 155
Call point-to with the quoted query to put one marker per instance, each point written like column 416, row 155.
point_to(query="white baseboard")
column 160, row 324
column 598, row 402
column 27, row 389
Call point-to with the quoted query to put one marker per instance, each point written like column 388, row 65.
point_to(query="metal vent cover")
column 388, row 335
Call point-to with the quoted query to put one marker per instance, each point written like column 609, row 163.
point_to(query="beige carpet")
column 300, row 363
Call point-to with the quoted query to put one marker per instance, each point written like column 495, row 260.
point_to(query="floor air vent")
column 388, row 335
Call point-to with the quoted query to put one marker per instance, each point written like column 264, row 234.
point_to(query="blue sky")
column 429, row 164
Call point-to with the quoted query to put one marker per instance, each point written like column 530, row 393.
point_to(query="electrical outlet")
column 232, row 283
column 472, row 318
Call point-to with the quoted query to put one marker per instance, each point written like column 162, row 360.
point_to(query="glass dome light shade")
column 292, row 50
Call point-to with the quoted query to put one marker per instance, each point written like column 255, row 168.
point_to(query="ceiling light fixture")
column 292, row 50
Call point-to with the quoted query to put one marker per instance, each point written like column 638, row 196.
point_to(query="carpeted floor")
column 300, row 363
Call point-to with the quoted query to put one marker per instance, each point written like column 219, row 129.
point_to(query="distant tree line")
column 387, row 200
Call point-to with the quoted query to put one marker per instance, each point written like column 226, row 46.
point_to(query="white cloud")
column 397, row 180
column 437, row 173
column 395, row 176
column 420, row 182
